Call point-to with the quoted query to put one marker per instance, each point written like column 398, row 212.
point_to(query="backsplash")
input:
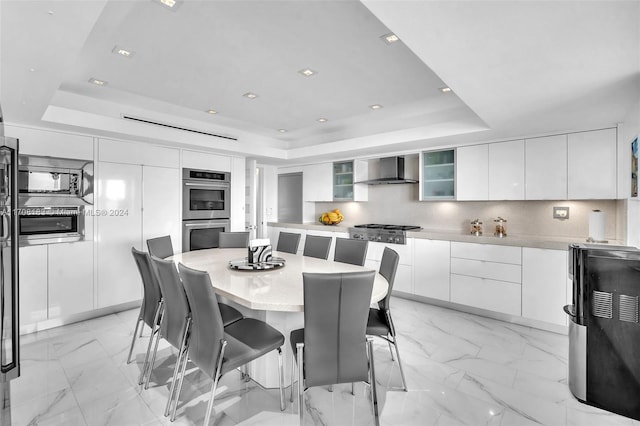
column 398, row 204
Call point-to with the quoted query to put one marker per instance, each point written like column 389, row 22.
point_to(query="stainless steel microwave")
column 40, row 225
column 48, row 181
column 205, row 194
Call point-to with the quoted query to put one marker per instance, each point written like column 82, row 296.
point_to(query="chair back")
column 206, row 327
column 233, row 240
column 152, row 294
column 160, row 247
column 288, row 242
column 176, row 306
column 351, row 251
column 336, row 309
column 316, row 246
column 388, row 268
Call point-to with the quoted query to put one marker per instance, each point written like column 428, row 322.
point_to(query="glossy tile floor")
column 461, row 369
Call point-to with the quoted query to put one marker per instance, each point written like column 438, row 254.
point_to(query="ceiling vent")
column 155, row 123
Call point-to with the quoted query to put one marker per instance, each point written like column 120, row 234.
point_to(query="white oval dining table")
column 274, row 296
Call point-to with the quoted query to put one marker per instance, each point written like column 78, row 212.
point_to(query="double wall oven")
column 206, row 207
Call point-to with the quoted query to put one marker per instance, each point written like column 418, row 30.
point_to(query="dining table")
column 275, row 296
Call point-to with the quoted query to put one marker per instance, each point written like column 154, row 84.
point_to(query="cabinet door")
column 33, row 284
column 472, row 172
column 119, row 189
column 592, row 165
column 431, row 268
column 497, row 296
column 506, row 170
column 161, row 205
column 205, row 161
column 70, row 278
column 360, row 173
column 138, row 153
column 238, row 199
column 546, row 168
column 544, row 283
column 317, row 182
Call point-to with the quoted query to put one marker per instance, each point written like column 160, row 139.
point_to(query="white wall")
column 627, row 131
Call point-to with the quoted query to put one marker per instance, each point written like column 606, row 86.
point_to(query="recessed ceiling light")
column 32, row 69
column 282, row 130
column 97, row 82
column 308, row 72
column 250, row 95
column 170, row 4
column 322, row 120
column 51, row 12
column 212, row 111
column 445, row 89
column 376, row 106
column 123, row 52
column 390, row 38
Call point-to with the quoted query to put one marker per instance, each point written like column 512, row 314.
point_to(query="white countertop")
column 533, row 241
column 273, row 290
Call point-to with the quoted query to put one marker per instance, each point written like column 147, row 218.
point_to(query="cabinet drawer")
column 498, row 296
column 492, row 253
column 483, row 269
column 405, row 251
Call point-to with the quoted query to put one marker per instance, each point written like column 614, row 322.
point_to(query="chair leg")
column 330, row 388
column 281, row 378
column 151, row 364
column 133, row 341
column 372, row 375
column 353, row 386
column 181, row 359
column 155, row 331
column 390, row 349
column 216, row 377
column 299, row 352
column 293, row 363
column 404, row 381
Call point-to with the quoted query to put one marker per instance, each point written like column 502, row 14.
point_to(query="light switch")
column 561, row 213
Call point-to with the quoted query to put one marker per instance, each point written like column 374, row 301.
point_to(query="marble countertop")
column 533, row 241
column 272, row 290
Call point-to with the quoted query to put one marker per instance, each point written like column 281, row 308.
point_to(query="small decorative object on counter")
column 501, row 227
column 331, row 218
column 476, row 227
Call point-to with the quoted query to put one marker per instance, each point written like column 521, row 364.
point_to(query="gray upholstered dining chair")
column 288, row 242
column 160, row 247
column 332, row 347
column 317, row 246
column 233, row 240
column 176, row 320
column 217, row 350
column 151, row 308
column 380, row 322
column 351, row 251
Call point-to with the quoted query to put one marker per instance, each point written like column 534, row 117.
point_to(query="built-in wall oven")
column 205, row 194
column 39, row 225
column 202, row 234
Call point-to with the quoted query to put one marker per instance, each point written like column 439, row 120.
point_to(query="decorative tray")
column 244, row 265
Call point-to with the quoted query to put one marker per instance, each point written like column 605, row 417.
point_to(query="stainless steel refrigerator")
column 604, row 327
column 9, row 314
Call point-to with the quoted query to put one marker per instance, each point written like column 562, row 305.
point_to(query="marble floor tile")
column 461, row 369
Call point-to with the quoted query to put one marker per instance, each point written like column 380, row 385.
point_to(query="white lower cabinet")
column 497, row 296
column 404, row 275
column 70, row 270
column 487, row 276
column 162, row 203
column 119, row 189
column 431, row 268
column 33, row 284
column 544, row 285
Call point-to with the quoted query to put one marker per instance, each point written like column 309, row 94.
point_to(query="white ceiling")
column 517, row 68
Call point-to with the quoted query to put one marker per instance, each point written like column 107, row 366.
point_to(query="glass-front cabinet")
column 346, row 174
column 343, row 181
column 437, row 175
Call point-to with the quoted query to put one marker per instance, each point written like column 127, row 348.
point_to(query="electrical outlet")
column 561, row 213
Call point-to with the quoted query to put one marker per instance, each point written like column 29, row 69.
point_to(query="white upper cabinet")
column 317, row 182
column 138, row 153
column 205, row 161
column 546, row 168
column 592, row 165
column 506, row 170
column 472, row 172
column 161, row 205
column 238, row 197
column 52, row 144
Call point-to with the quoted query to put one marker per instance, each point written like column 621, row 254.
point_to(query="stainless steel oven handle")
column 215, row 225
column 210, row 185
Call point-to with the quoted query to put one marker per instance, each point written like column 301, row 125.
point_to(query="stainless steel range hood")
column 391, row 171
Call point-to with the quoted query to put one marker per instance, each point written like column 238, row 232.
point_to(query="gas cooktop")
column 395, row 234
